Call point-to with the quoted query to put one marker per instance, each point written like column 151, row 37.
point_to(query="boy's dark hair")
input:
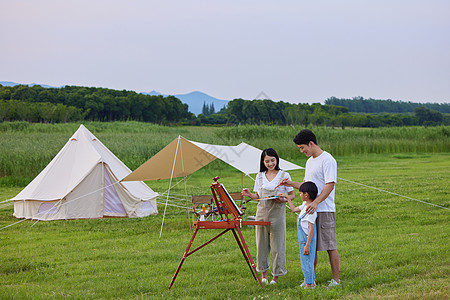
column 310, row 188
column 268, row 152
column 304, row 137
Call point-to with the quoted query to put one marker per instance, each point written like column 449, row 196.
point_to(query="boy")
column 306, row 232
column 321, row 168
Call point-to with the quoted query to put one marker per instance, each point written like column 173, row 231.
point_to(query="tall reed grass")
column 346, row 142
column 25, row 149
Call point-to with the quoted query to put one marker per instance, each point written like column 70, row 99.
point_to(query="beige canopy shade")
column 183, row 157
column 179, row 158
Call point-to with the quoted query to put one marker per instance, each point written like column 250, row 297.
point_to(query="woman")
column 270, row 239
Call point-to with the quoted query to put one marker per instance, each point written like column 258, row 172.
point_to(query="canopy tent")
column 82, row 182
column 183, row 157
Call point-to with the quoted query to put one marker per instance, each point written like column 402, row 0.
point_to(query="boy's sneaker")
column 265, row 281
column 304, row 283
column 334, row 283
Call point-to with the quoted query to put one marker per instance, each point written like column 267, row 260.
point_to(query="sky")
column 295, row 51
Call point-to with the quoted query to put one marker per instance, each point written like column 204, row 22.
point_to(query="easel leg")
column 246, row 254
column 187, row 253
column 184, row 257
column 243, row 253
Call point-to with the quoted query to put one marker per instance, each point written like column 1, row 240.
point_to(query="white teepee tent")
column 82, row 182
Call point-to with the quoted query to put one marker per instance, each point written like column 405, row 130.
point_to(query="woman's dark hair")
column 304, row 137
column 268, row 152
column 310, row 188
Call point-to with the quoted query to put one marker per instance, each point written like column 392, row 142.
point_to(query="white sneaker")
column 334, row 283
column 265, row 281
column 273, row 282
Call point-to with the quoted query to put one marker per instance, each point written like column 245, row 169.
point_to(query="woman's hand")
column 246, row 192
column 282, row 198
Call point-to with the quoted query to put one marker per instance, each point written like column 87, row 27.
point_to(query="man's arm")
column 327, row 189
column 294, row 184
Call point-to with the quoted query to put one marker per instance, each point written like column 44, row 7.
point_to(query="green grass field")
column 390, row 246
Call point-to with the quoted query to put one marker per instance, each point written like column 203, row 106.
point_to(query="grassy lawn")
column 389, row 246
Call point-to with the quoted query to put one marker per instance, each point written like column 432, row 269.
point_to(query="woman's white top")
column 270, row 185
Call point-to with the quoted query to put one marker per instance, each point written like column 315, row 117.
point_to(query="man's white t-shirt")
column 322, row 170
column 270, row 185
column 308, row 218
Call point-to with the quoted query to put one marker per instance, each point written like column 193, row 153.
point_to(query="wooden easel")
column 231, row 219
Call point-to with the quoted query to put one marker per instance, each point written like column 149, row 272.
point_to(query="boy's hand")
column 306, row 250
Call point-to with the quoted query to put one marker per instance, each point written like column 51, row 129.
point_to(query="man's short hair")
column 304, row 137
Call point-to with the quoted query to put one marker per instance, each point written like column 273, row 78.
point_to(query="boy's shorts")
column 326, row 231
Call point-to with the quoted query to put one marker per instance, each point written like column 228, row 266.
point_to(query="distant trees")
column 71, row 103
column 428, row 117
column 361, row 105
column 256, row 111
column 208, row 110
column 13, row 110
column 268, row 112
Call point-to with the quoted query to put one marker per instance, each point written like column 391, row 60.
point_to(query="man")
column 321, row 168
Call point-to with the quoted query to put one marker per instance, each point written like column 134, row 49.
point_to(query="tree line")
column 361, row 105
column 240, row 111
column 72, row 103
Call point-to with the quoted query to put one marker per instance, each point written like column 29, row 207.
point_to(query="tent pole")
column 103, row 189
column 187, row 204
column 170, row 185
column 185, row 187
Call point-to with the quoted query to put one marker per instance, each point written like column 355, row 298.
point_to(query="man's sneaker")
column 334, row 283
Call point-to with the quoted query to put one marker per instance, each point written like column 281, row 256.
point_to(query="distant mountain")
column 153, row 93
column 9, row 83
column 194, row 100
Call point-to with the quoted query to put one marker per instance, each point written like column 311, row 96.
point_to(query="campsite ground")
column 389, row 246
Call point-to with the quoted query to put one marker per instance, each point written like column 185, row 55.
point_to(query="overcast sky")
column 295, row 51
